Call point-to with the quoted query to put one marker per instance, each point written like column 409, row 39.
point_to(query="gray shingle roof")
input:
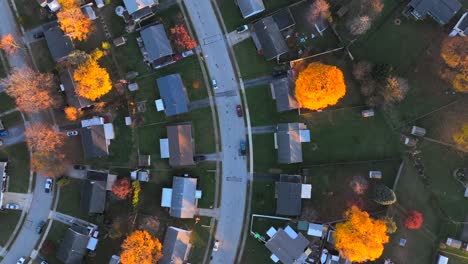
column 183, row 203
column 94, row 142
column 73, row 247
column 289, row 143
column 176, row 246
column 250, row 8
column 284, row 19
column 172, row 90
column 93, row 193
column 66, row 78
column 284, row 94
column 288, row 195
column 157, row 45
column 288, row 250
column 442, row 10
column 180, row 145
column 268, row 37
column 60, row 45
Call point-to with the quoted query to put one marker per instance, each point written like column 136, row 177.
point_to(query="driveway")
column 15, row 135
column 232, row 128
column 21, row 199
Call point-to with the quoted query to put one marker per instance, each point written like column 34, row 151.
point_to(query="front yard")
column 9, row 219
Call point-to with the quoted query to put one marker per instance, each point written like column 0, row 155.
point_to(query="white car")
column 12, row 206
column 48, row 185
column 187, row 53
column 216, row 245
column 21, row 260
column 215, row 84
column 72, row 133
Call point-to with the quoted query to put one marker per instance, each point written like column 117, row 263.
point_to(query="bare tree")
column 359, row 25
column 318, row 10
column 395, row 90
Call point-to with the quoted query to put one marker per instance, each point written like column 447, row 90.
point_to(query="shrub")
column 414, row 220
column 391, row 225
column 384, row 195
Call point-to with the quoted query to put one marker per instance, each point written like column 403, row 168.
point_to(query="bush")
column 384, row 195
column 414, row 220
column 391, row 225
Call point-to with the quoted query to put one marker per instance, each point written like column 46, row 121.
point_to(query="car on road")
column 215, row 84
column 187, row 53
column 239, row 111
column 40, row 227
column 243, row 148
column 242, row 29
column 48, row 185
column 79, row 167
column 12, row 206
column 21, row 260
column 216, row 245
column 39, row 35
column 72, row 133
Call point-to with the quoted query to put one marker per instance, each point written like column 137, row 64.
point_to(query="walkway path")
column 199, row 104
column 262, row 80
column 263, row 129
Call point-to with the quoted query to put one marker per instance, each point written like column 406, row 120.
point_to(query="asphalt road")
column 232, row 128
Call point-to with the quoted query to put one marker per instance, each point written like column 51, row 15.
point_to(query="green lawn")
column 13, row 119
column 6, row 102
column 70, row 199
column 18, row 167
column 42, row 56
column 251, row 63
column 199, row 239
column 55, row 235
column 31, row 14
column 9, row 219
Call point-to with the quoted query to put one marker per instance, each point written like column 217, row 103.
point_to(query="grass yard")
column 18, row 167
column 9, row 219
column 70, row 200
column 6, row 102
column 251, row 63
column 31, row 14
column 42, row 56
column 56, row 234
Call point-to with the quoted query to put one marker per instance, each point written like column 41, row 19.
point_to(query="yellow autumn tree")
column 140, row 247
column 72, row 20
column 93, row 81
column 454, row 52
column 72, row 113
column 360, row 238
column 319, row 86
column 461, row 138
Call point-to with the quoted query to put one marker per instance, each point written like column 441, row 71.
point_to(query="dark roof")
column 60, row 45
column 93, row 194
column 288, row 198
column 284, row 94
column 73, row 99
column 73, row 247
column 464, row 24
column 289, row 143
column 156, row 43
column 284, row 19
column 440, row 10
column 287, row 249
column 144, row 160
column 173, row 93
column 180, row 145
column 94, row 142
column 249, row 8
column 183, row 203
column 92, row 175
column 268, row 38
column 176, row 246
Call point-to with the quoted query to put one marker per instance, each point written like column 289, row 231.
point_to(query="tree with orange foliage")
column 9, row 44
column 319, row 86
column 140, row 247
column 72, row 113
column 454, row 52
column 461, row 137
column 360, row 238
column 182, row 38
column 72, row 20
column 32, row 90
column 122, row 188
column 49, row 164
column 93, row 81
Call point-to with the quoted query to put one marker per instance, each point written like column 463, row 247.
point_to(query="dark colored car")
column 199, row 158
column 39, row 35
column 79, row 167
column 239, row 111
column 243, row 148
column 242, row 29
column 40, row 227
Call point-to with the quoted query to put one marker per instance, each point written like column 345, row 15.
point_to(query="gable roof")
column 94, row 141
column 250, row 8
column 441, row 10
column 183, row 203
column 287, row 249
column 172, row 90
column 93, row 193
column 134, row 5
column 284, row 94
column 73, row 247
column 73, row 98
column 60, row 45
column 268, row 38
column 176, row 246
column 289, row 143
column 156, row 43
column 180, row 145
column 288, row 195
column 462, row 24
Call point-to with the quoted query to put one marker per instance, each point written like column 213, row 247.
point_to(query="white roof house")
column 315, row 230
column 306, row 191
column 164, row 148
column 442, row 260
column 95, row 121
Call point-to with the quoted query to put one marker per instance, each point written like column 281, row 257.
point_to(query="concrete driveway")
column 22, row 199
column 235, row 37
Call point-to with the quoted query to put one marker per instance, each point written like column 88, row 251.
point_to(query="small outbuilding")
column 120, row 41
column 418, row 131
column 442, row 259
column 316, row 230
column 367, row 113
column 453, row 243
column 375, row 175
column 144, row 160
column 410, row 141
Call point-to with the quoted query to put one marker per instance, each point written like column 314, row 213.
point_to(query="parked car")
column 39, row 35
column 21, row 260
column 239, row 111
column 242, row 29
column 216, row 245
column 40, row 227
column 12, row 206
column 187, row 53
column 48, row 185
column 199, row 158
column 72, row 133
column 215, row 84
column 4, row 133
column 243, row 148
column 79, row 167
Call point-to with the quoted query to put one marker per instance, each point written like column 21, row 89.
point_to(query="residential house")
column 155, row 46
column 250, row 8
column 441, row 11
column 287, row 246
column 140, row 9
column 60, row 45
column 179, row 146
column 289, row 192
column 282, row 91
column 461, row 28
column 182, row 198
column 67, row 85
column 288, row 141
column 94, row 192
column 174, row 95
column 96, row 136
column 267, row 33
column 73, row 248
column 176, row 246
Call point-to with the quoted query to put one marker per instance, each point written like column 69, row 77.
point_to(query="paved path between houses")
column 263, row 129
column 208, row 212
column 262, row 80
column 199, row 104
column 232, row 128
column 213, row 156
